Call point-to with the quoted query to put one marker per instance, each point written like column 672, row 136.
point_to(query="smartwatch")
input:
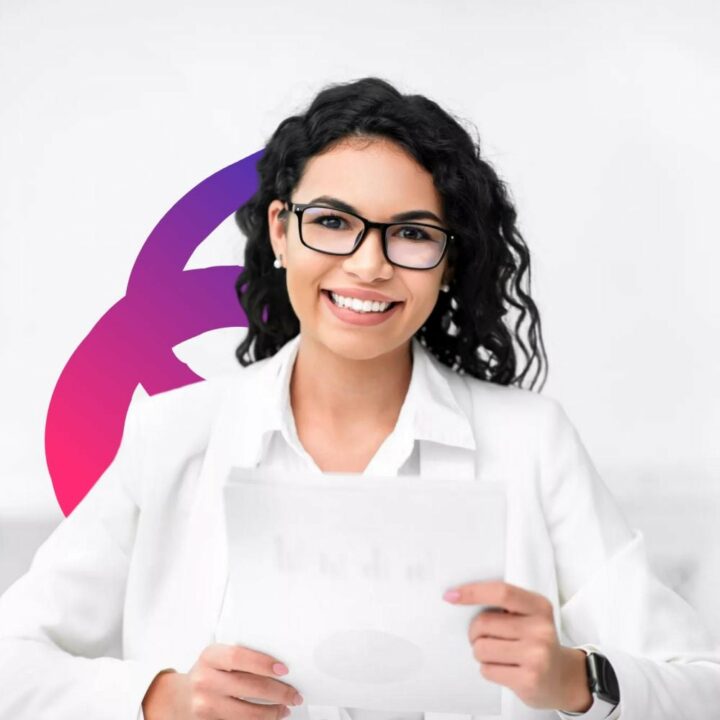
column 603, row 686
column 602, row 679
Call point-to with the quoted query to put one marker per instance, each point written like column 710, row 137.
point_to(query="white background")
column 601, row 116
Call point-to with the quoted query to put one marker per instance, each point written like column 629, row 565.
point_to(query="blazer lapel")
column 235, row 440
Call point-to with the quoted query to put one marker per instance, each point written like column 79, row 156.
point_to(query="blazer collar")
column 430, row 410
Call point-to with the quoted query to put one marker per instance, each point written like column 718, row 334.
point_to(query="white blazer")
column 132, row 582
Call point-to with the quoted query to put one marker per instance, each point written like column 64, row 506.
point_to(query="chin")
column 361, row 348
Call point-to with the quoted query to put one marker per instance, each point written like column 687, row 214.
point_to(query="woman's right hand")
column 216, row 682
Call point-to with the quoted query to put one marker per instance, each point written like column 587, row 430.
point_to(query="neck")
column 351, row 394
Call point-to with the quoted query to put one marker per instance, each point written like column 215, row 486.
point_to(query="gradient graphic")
column 132, row 342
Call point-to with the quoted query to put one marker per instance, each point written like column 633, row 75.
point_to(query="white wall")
column 602, row 117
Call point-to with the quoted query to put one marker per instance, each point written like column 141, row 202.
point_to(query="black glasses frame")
column 299, row 208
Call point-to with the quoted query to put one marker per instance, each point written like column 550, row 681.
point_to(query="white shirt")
column 132, row 582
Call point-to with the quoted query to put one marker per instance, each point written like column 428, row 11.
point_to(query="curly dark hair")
column 466, row 329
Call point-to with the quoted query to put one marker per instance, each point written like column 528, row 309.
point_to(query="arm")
column 666, row 663
column 61, row 623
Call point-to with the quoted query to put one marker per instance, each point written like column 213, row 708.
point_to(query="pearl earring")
column 444, row 287
column 278, row 262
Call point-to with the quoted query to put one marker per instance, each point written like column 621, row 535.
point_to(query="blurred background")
column 601, row 116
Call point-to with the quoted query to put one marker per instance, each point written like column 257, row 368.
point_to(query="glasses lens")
column 329, row 230
column 415, row 246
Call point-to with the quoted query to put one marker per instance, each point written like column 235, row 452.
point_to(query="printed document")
column 341, row 576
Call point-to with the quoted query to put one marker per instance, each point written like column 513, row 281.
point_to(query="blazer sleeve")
column 666, row 662
column 61, row 622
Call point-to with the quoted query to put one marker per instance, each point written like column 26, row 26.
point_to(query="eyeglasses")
column 416, row 246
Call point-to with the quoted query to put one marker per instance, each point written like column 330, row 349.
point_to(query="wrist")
column 578, row 698
column 161, row 697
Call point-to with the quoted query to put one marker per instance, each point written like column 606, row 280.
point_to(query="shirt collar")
column 429, row 412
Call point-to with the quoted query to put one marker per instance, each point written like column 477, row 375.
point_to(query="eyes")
column 331, row 221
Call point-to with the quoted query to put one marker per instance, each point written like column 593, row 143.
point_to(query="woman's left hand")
column 518, row 647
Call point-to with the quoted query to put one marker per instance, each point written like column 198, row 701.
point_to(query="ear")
column 277, row 228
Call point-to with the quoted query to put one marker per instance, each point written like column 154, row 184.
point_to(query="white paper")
column 341, row 577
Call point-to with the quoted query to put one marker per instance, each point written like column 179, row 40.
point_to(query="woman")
column 382, row 257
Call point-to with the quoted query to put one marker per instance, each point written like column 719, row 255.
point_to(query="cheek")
column 303, row 286
column 297, row 291
column 424, row 296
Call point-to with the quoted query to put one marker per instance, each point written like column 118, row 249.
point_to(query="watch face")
column 603, row 678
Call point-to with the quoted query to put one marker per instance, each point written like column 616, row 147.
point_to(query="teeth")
column 359, row 305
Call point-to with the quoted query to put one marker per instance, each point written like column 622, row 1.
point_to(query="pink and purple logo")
column 132, row 342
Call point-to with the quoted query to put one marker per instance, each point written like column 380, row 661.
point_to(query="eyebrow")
column 400, row 217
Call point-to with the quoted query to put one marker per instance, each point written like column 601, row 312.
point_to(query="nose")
column 368, row 262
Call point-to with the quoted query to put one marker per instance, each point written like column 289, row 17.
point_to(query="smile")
column 345, row 309
column 359, row 305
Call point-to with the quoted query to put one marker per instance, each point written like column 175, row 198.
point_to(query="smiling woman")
column 381, row 266
column 376, row 196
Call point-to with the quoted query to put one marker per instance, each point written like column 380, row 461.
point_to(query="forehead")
column 377, row 177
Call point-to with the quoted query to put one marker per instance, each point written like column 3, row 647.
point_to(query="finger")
column 229, row 708
column 509, row 626
column 503, row 595
column 259, row 711
column 255, row 687
column 238, row 657
column 493, row 650
column 508, row 675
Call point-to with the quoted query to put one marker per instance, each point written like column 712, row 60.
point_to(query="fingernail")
column 452, row 595
column 298, row 699
column 280, row 669
column 285, row 713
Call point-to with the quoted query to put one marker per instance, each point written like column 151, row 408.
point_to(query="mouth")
column 387, row 309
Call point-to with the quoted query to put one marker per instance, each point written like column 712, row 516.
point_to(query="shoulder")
column 500, row 414
column 514, row 419
column 187, row 413
column 502, row 403
column 506, row 417
column 522, row 433
column 510, row 402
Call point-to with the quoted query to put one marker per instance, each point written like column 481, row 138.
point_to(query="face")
column 380, row 180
